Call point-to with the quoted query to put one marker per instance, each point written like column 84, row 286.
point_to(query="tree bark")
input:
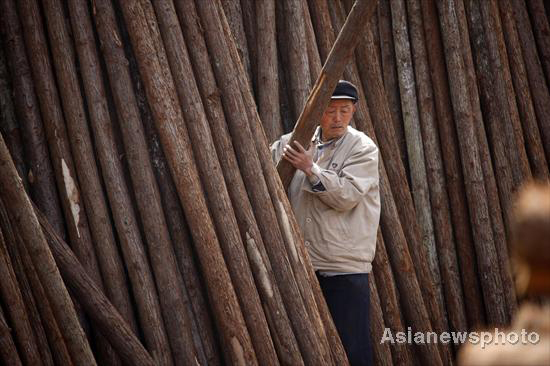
column 109, row 258
column 542, row 31
column 419, row 180
column 435, row 176
column 8, row 352
column 494, row 205
column 380, row 351
column 282, row 333
column 387, row 292
column 453, row 172
column 15, row 307
column 14, row 197
column 535, row 149
column 101, row 311
column 167, row 114
column 268, row 75
column 475, row 188
column 537, row 82
column 389, row 74
column 327, row 80
column 217, row 194
column 41, row 175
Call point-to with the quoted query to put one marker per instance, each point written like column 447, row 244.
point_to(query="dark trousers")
column 348, row 300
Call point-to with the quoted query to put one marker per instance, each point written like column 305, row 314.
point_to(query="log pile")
column 143, row 222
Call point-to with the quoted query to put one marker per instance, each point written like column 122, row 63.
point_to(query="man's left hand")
column 299, row 157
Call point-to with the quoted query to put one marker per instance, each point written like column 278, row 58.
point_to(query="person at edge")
column 336, row 200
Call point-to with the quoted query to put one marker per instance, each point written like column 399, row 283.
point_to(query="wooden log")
column 541, row 29
column 537, row 83
column 22, row 281
column 250, row 18
column 101, row 311
column 505, row 98
column 14, row 197
column 324, row 32
column 126, row 103
column 298, row 80
column 109, row 258
column 535, row 149
column 296, row 251
column 415, row 150
column 314, row 59
column 8, row 352
column 332, row 69
column 41, row 176
column 389, row 73
column 435, row 175
column 265, row 215
column 216, row 190
column 281, row 330
column 495, row 106
column 473, row 173
column 16, row 309
column 56, row 134
column 167, row 114
column 381, row 353
column 234, row 14
column 453, row 172
column 494, row 205
column 387, row 292
column 57, row 344
column 93, row 197
column 9, row 125
column 523, row 171
column 169, row 283
column 268, row 75
column 205, row 340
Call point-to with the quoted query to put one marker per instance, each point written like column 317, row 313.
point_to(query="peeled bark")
column 13, row 195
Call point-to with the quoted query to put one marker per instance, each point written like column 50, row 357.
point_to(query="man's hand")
column 299, row 157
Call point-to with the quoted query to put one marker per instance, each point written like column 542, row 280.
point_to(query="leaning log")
column 14, row 197
column 8, row 352
column 327, row 80
column 177, row 147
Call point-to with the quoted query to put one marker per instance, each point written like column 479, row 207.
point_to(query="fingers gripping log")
column 326, row 82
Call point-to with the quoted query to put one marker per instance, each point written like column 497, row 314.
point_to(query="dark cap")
column 345, row 90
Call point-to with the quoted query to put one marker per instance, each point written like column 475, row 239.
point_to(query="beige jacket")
column 340, row 223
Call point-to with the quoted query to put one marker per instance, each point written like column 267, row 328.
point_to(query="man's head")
column 339, row 112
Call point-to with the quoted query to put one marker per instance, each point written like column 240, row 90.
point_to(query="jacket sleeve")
column 359, row 174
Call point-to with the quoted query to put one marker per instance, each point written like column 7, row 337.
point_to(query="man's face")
column 336, row 118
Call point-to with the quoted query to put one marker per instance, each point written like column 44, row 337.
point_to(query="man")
column 335, row 197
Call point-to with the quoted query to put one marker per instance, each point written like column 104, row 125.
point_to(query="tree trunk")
column 268, row 75
column 537, row 82
column 15, row 307
column 107, row 319
column 216, row 190
column 14, row 197
column 176, row 145
column 380, row 351
column 535, row 149
column 8, row 352
column 473, row 174
column 444, row 238
column 41, row 176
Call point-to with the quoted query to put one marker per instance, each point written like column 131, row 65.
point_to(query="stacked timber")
column 143, row 222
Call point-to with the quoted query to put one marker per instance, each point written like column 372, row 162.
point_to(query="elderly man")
column 335, row 197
